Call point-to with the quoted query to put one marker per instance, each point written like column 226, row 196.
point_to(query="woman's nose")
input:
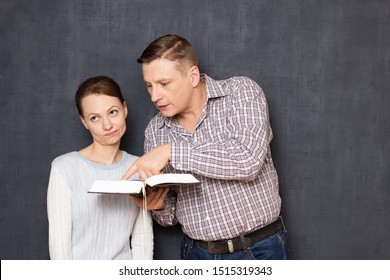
column 107, row 125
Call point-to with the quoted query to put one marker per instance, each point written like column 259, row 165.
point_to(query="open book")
column 135, row 187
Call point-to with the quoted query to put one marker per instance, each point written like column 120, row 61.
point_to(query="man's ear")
column 83, row 121
column 194, row 75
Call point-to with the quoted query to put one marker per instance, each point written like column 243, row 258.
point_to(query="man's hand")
column 150, row 163
column 155, row 200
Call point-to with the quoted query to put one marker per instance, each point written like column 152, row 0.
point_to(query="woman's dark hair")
column 97, row 85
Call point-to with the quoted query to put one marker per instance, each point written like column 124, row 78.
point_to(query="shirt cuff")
column 180, row 155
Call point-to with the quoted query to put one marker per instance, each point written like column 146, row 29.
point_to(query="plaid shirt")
column 229, row 153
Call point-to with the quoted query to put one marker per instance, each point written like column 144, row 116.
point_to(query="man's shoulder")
column 240, row 87
column 233, row 82
column 240, row 81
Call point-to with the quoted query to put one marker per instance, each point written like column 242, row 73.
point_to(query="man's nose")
column 154, row 94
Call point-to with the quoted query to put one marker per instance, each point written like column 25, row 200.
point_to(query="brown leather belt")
column 241, row 242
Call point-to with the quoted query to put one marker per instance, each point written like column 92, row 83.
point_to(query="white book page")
column 117, row 187
column 171, row 178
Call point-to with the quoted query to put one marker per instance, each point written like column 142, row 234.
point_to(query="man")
column 220, row 132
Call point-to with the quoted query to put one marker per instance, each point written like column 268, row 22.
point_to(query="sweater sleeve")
column 60, row 217
column 142, row 236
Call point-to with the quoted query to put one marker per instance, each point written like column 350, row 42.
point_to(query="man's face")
column 170, row 89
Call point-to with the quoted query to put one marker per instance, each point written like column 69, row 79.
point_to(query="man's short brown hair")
column 172, row 47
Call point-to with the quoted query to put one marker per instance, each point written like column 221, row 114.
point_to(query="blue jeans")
column 271, row 248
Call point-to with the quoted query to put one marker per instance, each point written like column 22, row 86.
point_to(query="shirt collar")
column 214, row 88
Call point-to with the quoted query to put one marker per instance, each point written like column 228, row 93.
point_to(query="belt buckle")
column 230, row 246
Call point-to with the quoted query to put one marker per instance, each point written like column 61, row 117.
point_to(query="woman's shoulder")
column 65, row 158
column 129, row 157
column 73, row 160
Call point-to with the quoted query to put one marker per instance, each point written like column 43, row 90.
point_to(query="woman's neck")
column 103, row 155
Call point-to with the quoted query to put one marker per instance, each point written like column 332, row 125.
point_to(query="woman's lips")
column 111, row 133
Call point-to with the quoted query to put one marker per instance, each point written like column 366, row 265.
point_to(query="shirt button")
column 178, row 165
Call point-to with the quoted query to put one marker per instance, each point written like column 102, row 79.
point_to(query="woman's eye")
column 94, row 118
column 113, row 113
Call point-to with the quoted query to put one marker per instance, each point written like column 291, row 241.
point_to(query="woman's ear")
column 83, row 121
column 125, row 108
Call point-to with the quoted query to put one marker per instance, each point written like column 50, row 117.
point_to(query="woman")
column 96, row 226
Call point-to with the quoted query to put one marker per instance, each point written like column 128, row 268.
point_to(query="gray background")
column 324, row 67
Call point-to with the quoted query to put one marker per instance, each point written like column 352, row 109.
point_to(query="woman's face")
column 105, row 118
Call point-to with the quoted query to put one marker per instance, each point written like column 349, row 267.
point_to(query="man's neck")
column 190, row 118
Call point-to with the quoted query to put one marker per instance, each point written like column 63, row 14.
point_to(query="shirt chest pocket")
column 212, row 129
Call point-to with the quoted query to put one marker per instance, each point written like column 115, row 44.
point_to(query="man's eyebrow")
column 158, row 81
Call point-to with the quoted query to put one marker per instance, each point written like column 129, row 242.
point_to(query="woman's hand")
column 155, row 200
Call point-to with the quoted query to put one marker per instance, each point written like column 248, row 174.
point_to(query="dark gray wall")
column 324, row 66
